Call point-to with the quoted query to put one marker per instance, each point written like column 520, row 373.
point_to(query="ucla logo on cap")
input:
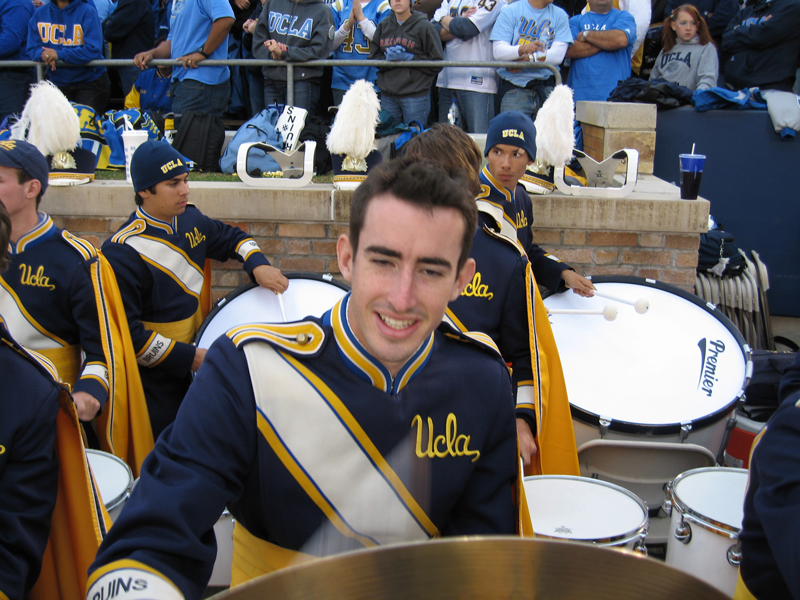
column 513, row 133
column 8, row 144
column 173, row 164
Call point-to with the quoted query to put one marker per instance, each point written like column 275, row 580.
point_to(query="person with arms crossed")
column 601, row 52
column 503, row 301
column 158, row 256
column 330, row 434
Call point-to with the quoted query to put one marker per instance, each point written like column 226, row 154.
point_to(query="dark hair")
column 426, row 186
column 670, row 38
column 5, row 235
column 451, row 148
column 138, row 199
column 24, row 177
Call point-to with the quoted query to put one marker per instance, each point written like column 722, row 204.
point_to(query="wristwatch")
column 585, row 34
column 200, row 50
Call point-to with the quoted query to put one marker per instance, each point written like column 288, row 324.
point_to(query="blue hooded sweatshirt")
column 14, row 17
column 74, row 32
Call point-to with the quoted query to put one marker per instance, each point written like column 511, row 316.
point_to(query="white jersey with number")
column 478, row 48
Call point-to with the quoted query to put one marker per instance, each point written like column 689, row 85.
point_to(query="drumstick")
column 283, row 309
column 609, row 312
column 642, row 305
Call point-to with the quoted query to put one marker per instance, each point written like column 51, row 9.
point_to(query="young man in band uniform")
column 376, row 423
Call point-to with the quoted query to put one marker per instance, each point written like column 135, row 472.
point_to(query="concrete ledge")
column 654, row 205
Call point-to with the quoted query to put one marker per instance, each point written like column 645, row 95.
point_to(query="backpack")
column 718, row 254
column 200, row 137
column 259, row 128
column 317, row 129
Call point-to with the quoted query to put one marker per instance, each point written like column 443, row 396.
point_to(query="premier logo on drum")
column 709, row 351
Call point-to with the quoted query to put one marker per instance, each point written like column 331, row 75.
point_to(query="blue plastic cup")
column 691, row 174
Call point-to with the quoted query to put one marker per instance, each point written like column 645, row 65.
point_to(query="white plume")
column 555, row 136
column 353, row 130
column 48, row 121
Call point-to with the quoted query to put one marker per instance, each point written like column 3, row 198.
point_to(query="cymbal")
column 472, row 568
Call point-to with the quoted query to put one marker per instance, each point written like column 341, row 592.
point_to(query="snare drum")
column 672, row 374
column 114, row 480
column 707, row 508
column 308, row 294
column 586, row 510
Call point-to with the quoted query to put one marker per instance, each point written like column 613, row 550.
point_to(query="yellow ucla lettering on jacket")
column 37, row 279
column 450, row 444
column 476, row 289
column 195, row 237
column 54, row 33
column 522, row 220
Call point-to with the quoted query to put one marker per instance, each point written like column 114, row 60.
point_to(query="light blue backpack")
column 260, row 128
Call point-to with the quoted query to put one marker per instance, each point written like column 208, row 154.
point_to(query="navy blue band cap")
column 512, row 128
column 154, row 162
column 18, row 154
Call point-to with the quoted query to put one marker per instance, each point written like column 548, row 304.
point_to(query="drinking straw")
column 692, row 148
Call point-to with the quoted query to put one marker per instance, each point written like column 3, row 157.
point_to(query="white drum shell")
column 114, row 480
column 719, row 492
column 307, row 295
column 585, row 510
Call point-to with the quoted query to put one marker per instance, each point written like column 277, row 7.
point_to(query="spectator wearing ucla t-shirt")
column 198, row 30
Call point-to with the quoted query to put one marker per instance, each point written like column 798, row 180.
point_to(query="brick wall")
column 665, row 257
column 311, row 247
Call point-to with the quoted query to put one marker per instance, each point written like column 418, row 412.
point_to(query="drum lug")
column 735, row 555
column 640, row 548
column 605, row 423
column 666, row 506
column 683, row 532
column 686, row 429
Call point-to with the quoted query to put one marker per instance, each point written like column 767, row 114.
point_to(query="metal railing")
column 291, row 66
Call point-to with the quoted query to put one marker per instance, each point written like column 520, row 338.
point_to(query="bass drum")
column 672, row 374
column 309, row 294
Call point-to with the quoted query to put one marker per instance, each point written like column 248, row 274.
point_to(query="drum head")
column 714, row 495
column 308, row 294
column 114, row 478
column 583, row 509
column 681, row 362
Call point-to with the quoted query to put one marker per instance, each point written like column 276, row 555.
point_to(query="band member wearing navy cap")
column 55, row 296
column 510, row 148
column 158, row 257
column 374, row 424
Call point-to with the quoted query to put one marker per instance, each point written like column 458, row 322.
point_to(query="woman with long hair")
column 689, row 57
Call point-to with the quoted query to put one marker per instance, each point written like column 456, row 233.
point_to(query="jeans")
column 405, row 110
column 475, row 109
column 255, row 83
column 527, row 100
column 92, row 93
column 306, row 94
column 191, row 95
column 14, row 86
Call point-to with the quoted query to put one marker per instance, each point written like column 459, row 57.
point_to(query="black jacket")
column 763, row 42
column 130, row 28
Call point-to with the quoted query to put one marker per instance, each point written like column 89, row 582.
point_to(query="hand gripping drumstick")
column 642, row 305
column 609, row 312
